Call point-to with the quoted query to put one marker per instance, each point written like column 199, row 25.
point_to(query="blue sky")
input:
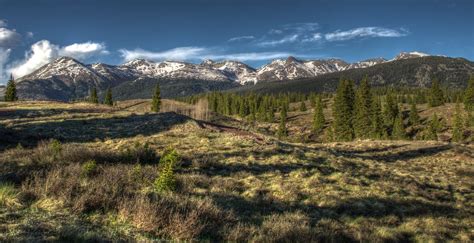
column 254, row 31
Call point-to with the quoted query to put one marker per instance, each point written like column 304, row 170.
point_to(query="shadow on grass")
column 87, row 130
column 405, row 155
column 37, row 113
column 264, row 204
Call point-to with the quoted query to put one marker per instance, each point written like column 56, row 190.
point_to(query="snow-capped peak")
column 207, row 62
column 407, row 55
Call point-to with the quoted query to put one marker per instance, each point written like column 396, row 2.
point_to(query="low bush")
column 141, row 154
column 89, row 168
column 8, row 196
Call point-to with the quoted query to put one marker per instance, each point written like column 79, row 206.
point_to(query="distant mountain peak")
column 291, row 59
column 207, row 62
column 412, row 54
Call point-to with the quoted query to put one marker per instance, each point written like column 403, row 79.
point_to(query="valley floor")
column 231, row 184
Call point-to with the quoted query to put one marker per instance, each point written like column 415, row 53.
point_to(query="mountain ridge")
column 66, row 78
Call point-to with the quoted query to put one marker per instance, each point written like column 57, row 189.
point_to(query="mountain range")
column 67, row 79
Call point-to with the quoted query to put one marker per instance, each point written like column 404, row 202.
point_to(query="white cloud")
column 176, row 54
column 4, row 55
column 83, row 50
column 9, row 38
column 284, row 40
column 43, row 52
column 242, row 38
column 250, row 56
column 29, row 34
column 199, row 53
column 3, row 23
column 315, row 37
column 301, row 27
column 364, row 32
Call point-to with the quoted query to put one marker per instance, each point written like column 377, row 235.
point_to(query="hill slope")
column 414, row 72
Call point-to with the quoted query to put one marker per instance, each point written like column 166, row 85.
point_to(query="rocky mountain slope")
column 411, row 72
column 67, row 79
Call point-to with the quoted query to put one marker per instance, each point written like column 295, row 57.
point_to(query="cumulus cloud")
column 83, row 50
column 199, row 53
column 4, row 55
column 242, row 38
column 43, row 52
column 364, row 32
column 3, row 23
column 9, row 38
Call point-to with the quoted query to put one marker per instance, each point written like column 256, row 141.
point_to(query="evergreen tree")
column 108, row 98
column 458, row 128
column 318, row 118
column 433, row 128
column 302, row 106
column 363, row 103
column 390, row 110
column 156, row 100
column 436, row 97
column 414, row 117
column 376, row 131
column 343, row 111
column 398, row 131
column 270, row 115
column 469, row 95
column 10, row 91
column 243, row 108
column 469, row 121
column 282, row 132
column 93, row 96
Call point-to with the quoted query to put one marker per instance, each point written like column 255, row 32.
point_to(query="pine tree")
column 10, row 91
column 243, row 108
column 469, row 121
column 303, row 106
column 343, row 111
column 93, row 96
column 376, row 130
column 108, row 98
column 469, row 95
column 436, row 97
column 156, row 100
column 433, row 128
column 414, row 117
column 318, row 118
column 390, row 110
column 363, row 103
column 270, row 115
column 398, row 130
column 458, row 128
column 282, row 131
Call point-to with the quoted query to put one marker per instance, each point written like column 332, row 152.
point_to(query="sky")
column 35, row 32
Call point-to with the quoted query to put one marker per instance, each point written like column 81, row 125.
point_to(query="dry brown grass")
column 229, row 187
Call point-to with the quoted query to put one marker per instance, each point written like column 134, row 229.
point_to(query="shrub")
column 89, row 168
column 140, row 154
column 56, row 147
column 8, row 196
column 166, row 178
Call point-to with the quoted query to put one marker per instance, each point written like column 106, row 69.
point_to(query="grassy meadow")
column 76, row 172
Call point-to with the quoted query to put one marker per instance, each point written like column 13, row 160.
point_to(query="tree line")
column 358, row 112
